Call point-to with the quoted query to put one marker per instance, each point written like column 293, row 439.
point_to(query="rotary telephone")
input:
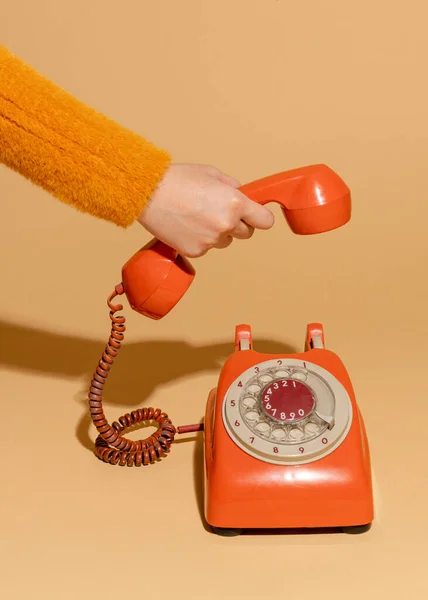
column 285, row 444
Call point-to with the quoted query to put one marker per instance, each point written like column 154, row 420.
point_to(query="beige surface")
column 254, row 88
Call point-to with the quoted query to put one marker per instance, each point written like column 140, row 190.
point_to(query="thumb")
column 256, row 215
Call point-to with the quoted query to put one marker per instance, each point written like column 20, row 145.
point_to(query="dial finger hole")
column 296, row 434
column 299, row 375
column 252, row 415
column 263, row 427
column 282, row 373
column 311, row 428
column 254, row 388
column 278, row 434
column 249, row 402
column 265, row 378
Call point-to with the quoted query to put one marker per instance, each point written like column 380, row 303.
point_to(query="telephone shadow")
column 139, row 369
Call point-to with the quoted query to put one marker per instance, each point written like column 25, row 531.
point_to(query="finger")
column 256, row 215
column 242, row 231
column 224, row 242
column 193, row 253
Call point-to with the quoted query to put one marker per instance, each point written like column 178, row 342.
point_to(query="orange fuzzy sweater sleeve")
column 76, row 154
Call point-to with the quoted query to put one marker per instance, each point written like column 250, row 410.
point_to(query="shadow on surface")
column 139, row 369
column 300, row 531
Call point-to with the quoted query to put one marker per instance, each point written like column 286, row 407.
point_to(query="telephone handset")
column 284, row 441
column 313, row 199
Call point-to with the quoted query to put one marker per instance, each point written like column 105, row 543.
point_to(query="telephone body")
column 284, row 441
column 285, row 444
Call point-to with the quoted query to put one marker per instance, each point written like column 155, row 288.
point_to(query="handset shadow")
column 140, row 368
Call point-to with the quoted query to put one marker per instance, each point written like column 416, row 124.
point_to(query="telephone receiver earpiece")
column 313, row 199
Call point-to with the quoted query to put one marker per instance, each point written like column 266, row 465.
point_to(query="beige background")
column 253, row 88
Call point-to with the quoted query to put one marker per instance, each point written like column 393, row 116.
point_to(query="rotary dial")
column 287, row 411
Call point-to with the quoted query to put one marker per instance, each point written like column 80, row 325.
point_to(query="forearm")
column 76, row 154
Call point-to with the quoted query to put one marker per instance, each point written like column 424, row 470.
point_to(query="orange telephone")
column 284, row 441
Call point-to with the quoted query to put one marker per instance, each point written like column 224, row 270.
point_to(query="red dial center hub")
column 287, row 400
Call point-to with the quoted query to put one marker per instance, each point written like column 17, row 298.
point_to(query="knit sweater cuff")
column 75, row 153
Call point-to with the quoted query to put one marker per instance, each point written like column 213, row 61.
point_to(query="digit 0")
column 324, row 440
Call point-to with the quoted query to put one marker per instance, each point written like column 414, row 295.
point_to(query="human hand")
column 196, row 208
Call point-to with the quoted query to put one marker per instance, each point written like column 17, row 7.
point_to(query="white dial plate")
column 287, row 411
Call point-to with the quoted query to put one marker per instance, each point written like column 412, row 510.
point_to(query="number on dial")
column 287, row 400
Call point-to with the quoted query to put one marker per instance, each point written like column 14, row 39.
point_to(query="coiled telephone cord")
column 110, row 446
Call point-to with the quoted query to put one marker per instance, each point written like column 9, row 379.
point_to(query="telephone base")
column 257, row 476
